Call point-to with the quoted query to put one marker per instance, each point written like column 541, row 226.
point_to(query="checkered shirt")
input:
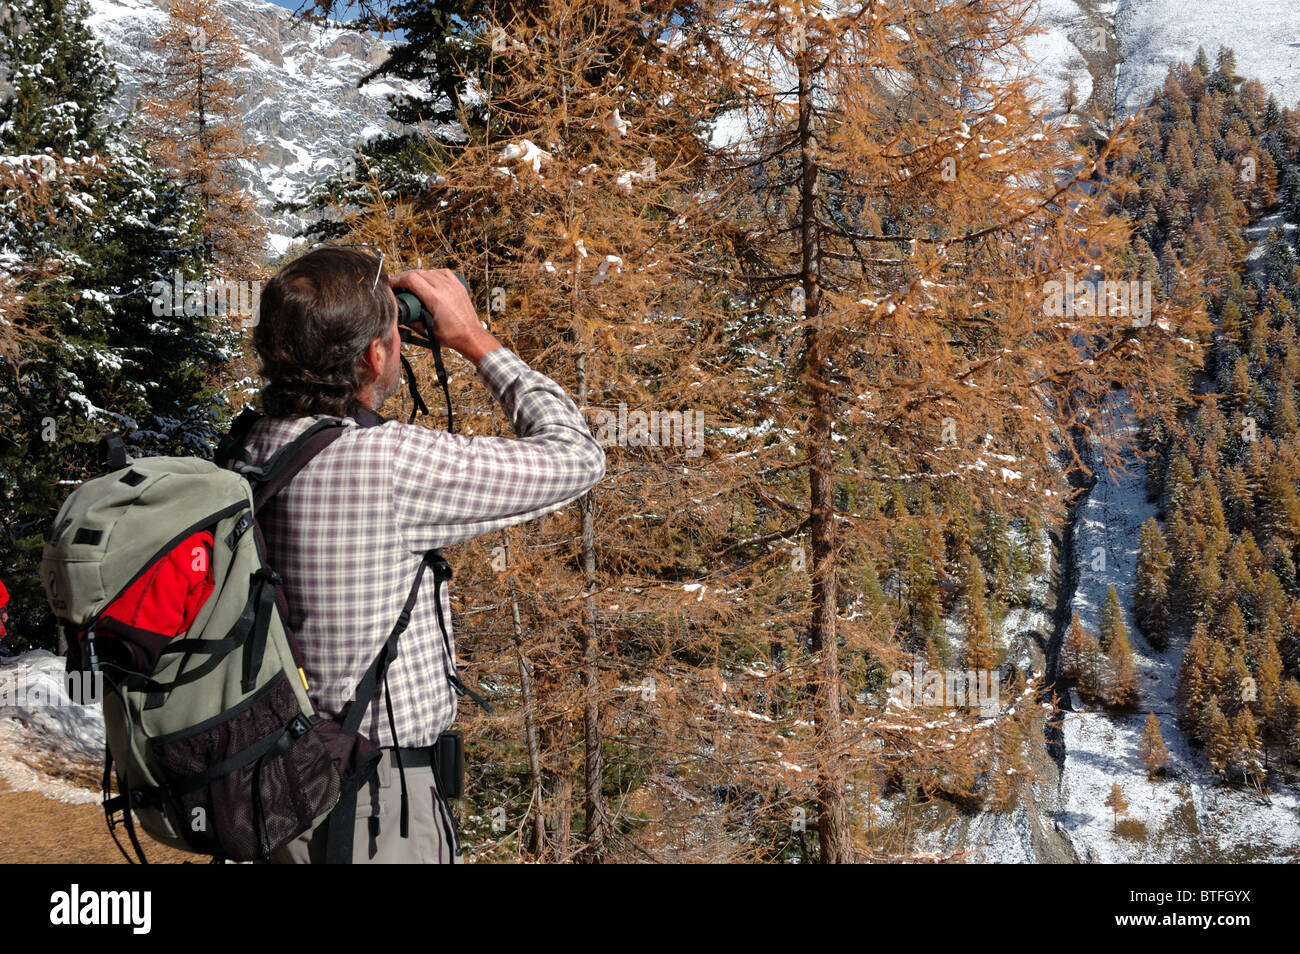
column 349, row 531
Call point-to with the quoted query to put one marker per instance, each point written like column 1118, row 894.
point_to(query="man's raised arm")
column 449, row 487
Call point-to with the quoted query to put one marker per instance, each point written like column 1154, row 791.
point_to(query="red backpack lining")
column 161, row 605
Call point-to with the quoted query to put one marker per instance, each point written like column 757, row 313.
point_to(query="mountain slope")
column 301, row 101
column 1117, row 52
column 1154, row 34
column 303, row 106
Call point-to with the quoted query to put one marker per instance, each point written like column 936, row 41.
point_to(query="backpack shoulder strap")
column 284, row 465
column 271, row 477
column 342, row 821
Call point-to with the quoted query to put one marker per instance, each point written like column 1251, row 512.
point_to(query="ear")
column 375, row 355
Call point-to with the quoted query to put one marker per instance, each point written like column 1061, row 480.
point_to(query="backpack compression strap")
column 112, row 453
column 342, row 821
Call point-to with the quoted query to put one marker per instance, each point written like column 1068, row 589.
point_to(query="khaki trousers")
column 378, row 837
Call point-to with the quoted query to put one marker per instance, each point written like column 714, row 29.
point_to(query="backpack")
column 157, row 576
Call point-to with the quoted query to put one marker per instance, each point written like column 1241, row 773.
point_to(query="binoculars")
column 411, row 313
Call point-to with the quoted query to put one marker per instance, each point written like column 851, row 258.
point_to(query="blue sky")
column 288, row 4
column 293, row 5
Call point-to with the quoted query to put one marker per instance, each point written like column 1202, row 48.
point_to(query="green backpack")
column 156, row 574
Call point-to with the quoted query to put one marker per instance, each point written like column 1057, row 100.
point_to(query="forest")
column 858, row 316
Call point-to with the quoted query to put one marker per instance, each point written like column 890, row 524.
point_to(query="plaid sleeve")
column 450, row 487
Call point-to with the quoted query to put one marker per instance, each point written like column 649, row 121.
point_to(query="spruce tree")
column 1112, row 620
column 1289, row 194
column 107, row 361
column 1284, row 725
column 1217, row 733
column 60, row 80
column 1224, row 77
column 1279, row 263
column 980, row 650
column 1201, row 63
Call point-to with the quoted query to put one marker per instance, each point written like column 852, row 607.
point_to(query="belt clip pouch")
column 450, row 754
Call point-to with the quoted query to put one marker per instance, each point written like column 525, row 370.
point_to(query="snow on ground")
column 1188, row 815
column 1155, row 34
column 1002, row 838
column 1021, row 623
column 1257, row 233
column 1054, row 54
column 1146, row 37
column 41, row 726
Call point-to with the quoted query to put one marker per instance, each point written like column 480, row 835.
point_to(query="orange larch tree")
column 189, row 113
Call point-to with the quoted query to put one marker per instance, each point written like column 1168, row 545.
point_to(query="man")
column 349, row 532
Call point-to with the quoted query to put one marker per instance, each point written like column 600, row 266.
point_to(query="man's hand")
column 455, row 322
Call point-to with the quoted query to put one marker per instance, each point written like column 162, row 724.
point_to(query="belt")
column 420, row 757
column 425, row 756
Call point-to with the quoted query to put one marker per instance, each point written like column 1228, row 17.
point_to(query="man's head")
column 327, row 335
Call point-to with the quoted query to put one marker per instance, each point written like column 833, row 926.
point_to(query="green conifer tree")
column 109, row 361
column 1151, row 598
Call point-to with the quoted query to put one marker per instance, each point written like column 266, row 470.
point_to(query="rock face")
column 301, row 102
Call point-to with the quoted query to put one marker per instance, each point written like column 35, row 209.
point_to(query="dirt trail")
column 36, row 829
column 50, row 812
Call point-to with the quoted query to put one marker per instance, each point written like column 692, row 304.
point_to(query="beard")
column 388, row 385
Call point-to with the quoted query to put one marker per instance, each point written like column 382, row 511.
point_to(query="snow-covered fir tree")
column 107, row 360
